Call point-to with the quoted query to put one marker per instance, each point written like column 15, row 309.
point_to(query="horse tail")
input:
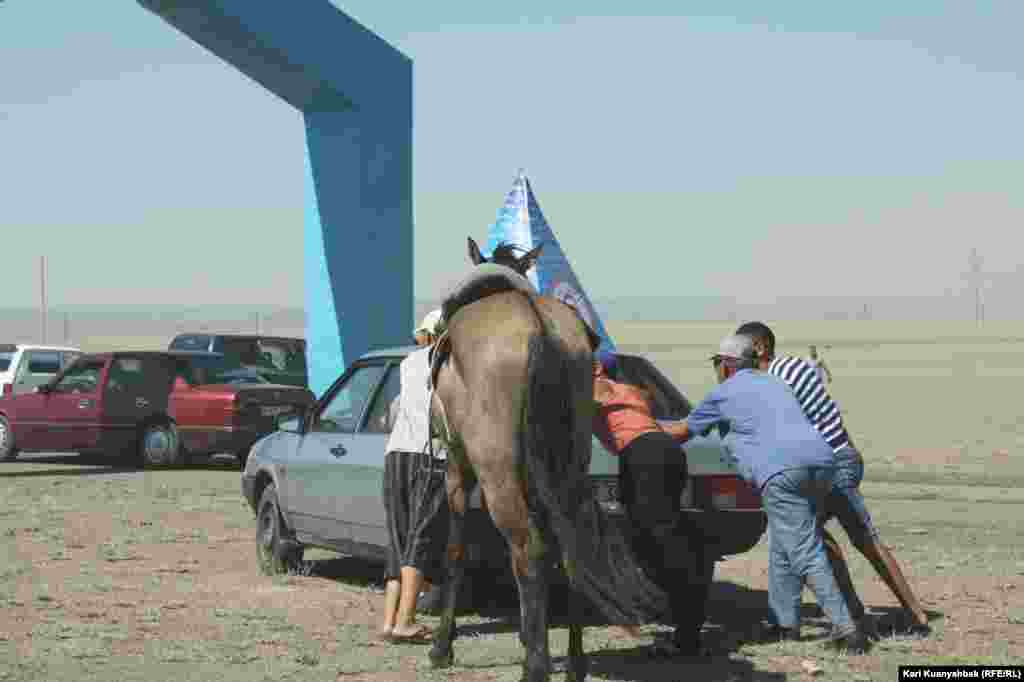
column 555, row 453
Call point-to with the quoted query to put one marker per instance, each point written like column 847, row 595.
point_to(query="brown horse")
column 514, row 396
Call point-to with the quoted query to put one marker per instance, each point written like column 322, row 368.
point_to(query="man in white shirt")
column 414, row 493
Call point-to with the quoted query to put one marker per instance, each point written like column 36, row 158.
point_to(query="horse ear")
column 527, row 260
column 474, row 253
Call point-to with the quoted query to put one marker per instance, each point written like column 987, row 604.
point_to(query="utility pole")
column 42, row 299
column 975, row 263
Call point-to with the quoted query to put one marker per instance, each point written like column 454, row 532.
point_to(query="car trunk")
column 263, row 405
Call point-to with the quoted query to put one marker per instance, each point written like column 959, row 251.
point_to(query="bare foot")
column 413, row 634
column 385, row 632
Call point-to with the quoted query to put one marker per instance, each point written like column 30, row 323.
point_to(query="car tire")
column 242, row 456
column 160, row 445
column 8, row 452
column 277, row 551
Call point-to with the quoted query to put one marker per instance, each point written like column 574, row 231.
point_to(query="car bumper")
column 729, row 532
column 725, row 532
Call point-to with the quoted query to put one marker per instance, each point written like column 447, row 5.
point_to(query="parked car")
column 25, row 366
column 218, row 410
column 147, row 405
column 317, row 480
column 276, row 359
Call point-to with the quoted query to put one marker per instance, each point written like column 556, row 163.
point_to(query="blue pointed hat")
column 521, row 223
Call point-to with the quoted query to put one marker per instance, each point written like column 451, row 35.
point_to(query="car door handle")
column 141, row 402
column 339, row 451
column 84, row 403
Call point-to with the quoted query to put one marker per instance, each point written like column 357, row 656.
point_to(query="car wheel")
column 7, row 450
column 160, row 445
column 242, row 456
column 277, row 552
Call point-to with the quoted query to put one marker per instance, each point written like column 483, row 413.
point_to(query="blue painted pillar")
column 358, row 258
column 355, row 91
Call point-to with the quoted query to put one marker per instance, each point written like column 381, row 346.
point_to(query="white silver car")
column 317, row 480
column 25, row 366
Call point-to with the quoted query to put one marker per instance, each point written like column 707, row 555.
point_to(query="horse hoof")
column 578, row 674
column 442, row 661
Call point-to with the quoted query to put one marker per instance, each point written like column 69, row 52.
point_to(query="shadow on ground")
column 104, row 465
column 735, row 614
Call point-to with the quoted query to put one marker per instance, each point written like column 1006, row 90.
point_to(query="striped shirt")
column 817, row 404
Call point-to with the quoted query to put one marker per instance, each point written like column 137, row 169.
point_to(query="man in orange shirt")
column 652, row 474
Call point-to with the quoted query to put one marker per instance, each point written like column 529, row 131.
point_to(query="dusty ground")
column 152, row 576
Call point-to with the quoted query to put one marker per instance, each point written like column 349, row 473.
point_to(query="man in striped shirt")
column 845, row 502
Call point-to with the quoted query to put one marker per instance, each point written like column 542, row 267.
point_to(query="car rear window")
column 274, row 355
column 191, row 342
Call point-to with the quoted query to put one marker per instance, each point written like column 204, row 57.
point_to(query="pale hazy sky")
column 857, row 148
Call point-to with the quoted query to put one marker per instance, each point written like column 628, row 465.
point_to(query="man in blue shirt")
column 845, row 502
column 781, row 454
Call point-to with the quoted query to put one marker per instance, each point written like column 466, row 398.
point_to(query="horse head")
column 505, row 254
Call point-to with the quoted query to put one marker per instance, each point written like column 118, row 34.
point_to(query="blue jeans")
column 845, row 502
column 793, row 500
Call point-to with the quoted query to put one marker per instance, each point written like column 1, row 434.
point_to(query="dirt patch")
column 156, row 579
column 929, row 457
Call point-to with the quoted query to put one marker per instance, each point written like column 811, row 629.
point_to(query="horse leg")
column 532, row 577
column 527, row 550
column 578, row 665
column 442, row 654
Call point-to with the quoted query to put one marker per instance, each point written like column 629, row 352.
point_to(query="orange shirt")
column 622, row 414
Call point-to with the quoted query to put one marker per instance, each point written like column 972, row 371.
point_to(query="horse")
column 513, row 400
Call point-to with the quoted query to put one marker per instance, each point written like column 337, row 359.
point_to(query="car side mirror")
column 291, row 424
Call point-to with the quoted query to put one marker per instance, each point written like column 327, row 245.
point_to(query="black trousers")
column 652, row 474
column 416, row 505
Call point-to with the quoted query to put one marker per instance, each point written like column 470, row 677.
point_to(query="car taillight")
column 8, row 389
column 724, row 492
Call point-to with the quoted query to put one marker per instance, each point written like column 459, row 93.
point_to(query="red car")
column 146, row 405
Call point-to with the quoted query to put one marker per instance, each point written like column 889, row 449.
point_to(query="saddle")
column 484, row 280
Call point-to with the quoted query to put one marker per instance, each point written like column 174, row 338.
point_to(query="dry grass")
column 151, row 576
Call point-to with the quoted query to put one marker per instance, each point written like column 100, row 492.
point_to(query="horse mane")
column 505, row 254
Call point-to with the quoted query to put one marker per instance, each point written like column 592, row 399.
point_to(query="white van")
column 24, row 366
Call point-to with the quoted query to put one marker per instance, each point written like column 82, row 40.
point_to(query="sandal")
column 421, row 635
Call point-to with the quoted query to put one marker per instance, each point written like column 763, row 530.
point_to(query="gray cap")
column 735, row 346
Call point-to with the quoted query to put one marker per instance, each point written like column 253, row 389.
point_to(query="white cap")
column 429, row 323
column 736, row 347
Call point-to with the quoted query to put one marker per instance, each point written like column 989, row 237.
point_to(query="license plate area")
column 606, row 490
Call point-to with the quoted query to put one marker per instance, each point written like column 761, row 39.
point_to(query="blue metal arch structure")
column 355, row 93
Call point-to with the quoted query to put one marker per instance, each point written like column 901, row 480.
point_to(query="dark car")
column 324, row 472
column 147, row 405
column 275, row 359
